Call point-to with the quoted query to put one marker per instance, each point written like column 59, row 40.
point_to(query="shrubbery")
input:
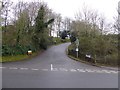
column 93, row 40
column 101, row 51
column 15, row 50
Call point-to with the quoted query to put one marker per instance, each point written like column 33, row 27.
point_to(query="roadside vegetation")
column 32, row 27
column 95, row 38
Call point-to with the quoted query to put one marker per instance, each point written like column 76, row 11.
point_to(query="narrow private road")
column 53, row 69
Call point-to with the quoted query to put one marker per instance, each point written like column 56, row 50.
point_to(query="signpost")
column 77, row 45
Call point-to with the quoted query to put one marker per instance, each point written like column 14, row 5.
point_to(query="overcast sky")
column 68, row 8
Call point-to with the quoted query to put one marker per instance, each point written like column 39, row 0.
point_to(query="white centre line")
column 51, row 67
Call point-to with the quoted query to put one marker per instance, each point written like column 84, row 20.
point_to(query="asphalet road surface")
column 54, row 69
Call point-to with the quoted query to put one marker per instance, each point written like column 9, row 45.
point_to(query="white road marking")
column 81, row 70
column 98, row 71
column 51, row 67
column 63, row 69
column 13, row 68
column 114, row 71
column 24, row 68
column 88, row 70
column 54, row 69
column 34, row 69
column 72, row 70
column 2, row 67
column 106, row 71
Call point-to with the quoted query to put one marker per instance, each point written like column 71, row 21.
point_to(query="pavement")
column 54, row 69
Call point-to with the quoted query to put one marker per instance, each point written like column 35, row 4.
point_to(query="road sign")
column 77, row 49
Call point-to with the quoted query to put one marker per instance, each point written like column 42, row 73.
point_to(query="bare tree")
column 33, row 9
column 102, row 23
column 50, row 15
column 119, row 16
column 67, row 24
column 89, row 17
column 5, row 12
column 58, row 23
column 56, row 26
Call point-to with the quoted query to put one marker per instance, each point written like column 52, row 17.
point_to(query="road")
column 53, row 69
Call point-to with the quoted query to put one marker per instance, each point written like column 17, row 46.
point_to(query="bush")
column 8, row 50
column 111, row 59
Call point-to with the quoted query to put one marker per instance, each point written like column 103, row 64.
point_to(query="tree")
column 21, row 22
column 119, row 16
column 22, row 26
column 33, row 8
column 56, row 26
column 67, row 24
column 64, row 34
column 72, row 37
column 90, row 28
column 41, row 34
column 5, row 12
column 58, row 23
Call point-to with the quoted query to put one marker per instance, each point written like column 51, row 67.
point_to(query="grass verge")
column 89, row 63
column 76, row 59
column 24, row 57
column 18, row 57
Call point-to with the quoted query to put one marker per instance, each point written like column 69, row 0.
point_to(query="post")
column 95, row 58
column 29, row 52
column 77, row 49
